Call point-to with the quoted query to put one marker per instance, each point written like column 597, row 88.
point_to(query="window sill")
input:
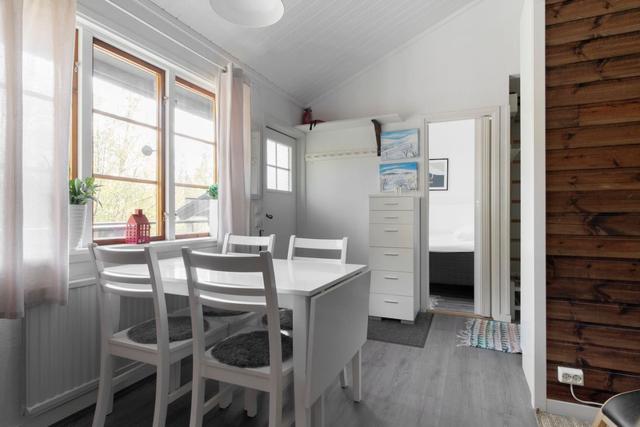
column 79, row 255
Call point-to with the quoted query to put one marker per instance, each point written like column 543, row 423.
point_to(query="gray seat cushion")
column 624, row 409
column 219, row 312
column 286, row 319
column 179, row 329
column 249, row 350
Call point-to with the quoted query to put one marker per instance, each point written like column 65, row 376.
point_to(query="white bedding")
column 448, row 243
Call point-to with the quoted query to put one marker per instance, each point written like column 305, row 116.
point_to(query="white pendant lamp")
column 249, row 13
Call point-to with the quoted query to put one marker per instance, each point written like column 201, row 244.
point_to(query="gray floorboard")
column 439, row 385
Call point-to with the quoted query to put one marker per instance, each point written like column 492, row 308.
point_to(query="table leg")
column 300, row 333
column 356, row 370
column 174, row 376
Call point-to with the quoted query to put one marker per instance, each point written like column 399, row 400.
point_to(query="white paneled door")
column 279, row 196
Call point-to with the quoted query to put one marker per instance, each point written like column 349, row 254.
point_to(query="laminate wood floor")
column 438, row 385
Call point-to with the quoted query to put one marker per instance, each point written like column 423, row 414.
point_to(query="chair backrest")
column 258, row 242
column 143, row 280
column 244, row 283
column 339, row 245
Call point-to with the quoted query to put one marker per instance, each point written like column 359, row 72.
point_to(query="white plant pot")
column 213, row 218
column 77, row 217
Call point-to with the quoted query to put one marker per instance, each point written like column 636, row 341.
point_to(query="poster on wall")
column 395, row 177
column 399, row 145
column 438, row 174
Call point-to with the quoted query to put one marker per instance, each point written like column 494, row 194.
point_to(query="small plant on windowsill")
column 81, row 191
column 212, row 191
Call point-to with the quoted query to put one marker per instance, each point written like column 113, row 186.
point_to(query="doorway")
column 458, row 217
column 279, row 192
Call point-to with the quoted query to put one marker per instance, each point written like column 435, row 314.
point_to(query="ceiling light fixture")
column 249, row 13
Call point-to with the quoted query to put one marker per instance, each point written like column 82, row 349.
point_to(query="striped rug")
column 491, row 335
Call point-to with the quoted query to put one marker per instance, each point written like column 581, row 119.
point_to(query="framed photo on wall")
column 399, row 145
column 438, row 174
column 398, row 177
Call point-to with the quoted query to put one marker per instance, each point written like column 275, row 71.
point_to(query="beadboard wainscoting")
column 62, row 342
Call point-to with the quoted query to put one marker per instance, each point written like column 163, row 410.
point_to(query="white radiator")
column 62, row 345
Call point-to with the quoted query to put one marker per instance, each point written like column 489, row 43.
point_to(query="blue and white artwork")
column 399, row 145
column 399, row 177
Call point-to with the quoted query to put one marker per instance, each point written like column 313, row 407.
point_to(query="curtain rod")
column 223, row 68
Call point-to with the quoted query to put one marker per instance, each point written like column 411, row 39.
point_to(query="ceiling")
column 318, row 44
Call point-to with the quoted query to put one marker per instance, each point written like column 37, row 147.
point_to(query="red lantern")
column 138, row 228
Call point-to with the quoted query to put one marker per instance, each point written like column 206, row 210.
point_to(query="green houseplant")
column 212, row 191
column 81, row 191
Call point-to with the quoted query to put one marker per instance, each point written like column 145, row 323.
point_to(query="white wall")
column 462, row 64
column 533, row 266
column 453, row 210
column 268, row 105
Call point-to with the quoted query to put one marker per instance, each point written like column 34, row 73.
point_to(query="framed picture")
column 399, row 145
column 398, row 177
column 438, row 174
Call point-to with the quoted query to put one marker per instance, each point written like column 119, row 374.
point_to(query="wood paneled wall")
column 593, row 194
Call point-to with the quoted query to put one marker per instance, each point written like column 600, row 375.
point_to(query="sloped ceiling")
column 318, row 44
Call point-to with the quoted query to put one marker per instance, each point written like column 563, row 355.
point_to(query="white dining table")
column 297, row 281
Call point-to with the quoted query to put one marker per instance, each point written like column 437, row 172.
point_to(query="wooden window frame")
column 160, row 128
column 185, row 84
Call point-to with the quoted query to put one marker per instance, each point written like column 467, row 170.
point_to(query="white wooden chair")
column 143, row 283
column 339, row 245
column 232, row 240
column 336, row 245
column 234, row 296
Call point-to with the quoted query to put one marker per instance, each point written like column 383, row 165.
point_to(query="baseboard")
column 569, row 409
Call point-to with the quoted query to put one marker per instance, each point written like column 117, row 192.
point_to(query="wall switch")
column 570, row 376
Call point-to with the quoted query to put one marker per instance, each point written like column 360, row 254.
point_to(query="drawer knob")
column 391, row 254
column 391, row 230
column 391, row 204
column 388, row 301
column 390, row 217
column 391, row 277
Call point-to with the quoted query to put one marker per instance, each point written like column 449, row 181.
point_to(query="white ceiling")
column 318, row 44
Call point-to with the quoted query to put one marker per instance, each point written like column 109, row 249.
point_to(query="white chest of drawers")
column 394, row 256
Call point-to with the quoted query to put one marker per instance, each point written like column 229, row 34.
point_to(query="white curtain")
column 234, row 144
column 36, row 66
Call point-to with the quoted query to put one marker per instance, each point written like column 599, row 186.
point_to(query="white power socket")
column 570, row 376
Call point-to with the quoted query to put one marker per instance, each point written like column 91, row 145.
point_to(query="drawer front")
column 392, row 282
column 391, row 203
column 391, row 235
column 391, row 217
column 392, row 306
column 391, row 259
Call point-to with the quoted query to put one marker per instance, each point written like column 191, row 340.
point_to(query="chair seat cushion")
column 249, row 350
column 179, row 329
column 286, row 319
column 219, row 312
column 624, row 409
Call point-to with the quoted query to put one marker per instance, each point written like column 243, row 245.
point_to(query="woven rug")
column 395, row 332
column 491, row 335
column 546, row 419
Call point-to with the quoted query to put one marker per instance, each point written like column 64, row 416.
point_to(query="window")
column 278, row 166
column 195, row 158
column 127, row 141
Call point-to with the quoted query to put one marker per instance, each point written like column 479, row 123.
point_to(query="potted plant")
column 213, row 210
column 80, row 192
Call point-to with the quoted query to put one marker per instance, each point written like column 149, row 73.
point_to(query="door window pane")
column 278, row 166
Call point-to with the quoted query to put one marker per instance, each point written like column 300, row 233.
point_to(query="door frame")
column 492, row 299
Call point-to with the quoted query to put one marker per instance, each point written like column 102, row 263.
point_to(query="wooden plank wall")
column 593, row 194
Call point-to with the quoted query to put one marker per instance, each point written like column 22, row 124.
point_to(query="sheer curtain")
column 36, row 60
column 234, row 157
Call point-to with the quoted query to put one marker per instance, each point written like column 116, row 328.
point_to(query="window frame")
column 188, row 85
column 160, row 139
column 202, row 78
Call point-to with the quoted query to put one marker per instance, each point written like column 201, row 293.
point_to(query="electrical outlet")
column 570, row 376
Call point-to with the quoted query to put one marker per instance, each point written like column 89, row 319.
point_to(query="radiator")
column 62, row 345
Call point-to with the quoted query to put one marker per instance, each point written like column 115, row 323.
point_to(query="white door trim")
column 494, row 299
